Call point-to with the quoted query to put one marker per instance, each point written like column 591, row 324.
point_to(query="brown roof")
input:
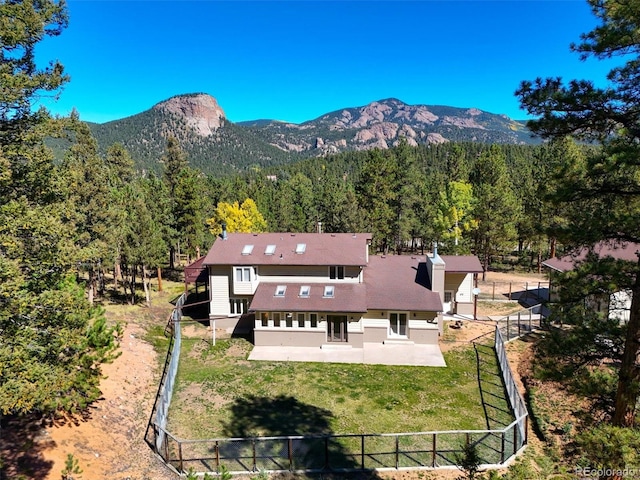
column 348, row 297
column 625, row 251
column 400, row 282
column 196, row 272
column 462, row 264
column 320, row 249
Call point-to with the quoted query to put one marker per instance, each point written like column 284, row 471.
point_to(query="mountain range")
column 218, row 146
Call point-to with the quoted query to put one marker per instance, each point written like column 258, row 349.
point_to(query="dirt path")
column 110, row 443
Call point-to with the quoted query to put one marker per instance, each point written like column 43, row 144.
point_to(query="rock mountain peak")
column 200, row 111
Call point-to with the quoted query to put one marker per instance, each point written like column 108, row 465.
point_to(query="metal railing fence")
column 332, row 452
column 160, row 412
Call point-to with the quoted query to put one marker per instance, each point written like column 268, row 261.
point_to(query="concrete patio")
column 404, row 353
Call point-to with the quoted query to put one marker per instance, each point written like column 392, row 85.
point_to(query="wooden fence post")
column 433, row 451
column 255, row 460
column 217, row 450
column 290, row 448
column 180, row 457
column 397, row 452
column 362, row 451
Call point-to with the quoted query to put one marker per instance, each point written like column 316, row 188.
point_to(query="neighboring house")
column 615, row 305
column 314, row 289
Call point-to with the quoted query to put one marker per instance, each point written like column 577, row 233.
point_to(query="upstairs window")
column 329, row 291
column 336, row 272
column 270, row 250
column 300, row 248
column 280, row 290
column 305, row 291
column 247, row 250
column 243, row 274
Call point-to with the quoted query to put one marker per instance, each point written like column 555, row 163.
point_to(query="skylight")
column 305, row 290
column 280, row 289
column 270, row 250
column 247, row 250
column 329, row 290
column 301, row 247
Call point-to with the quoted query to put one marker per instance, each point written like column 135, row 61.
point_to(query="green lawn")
column 221, row 394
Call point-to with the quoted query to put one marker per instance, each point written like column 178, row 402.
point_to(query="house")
column 614, row 305
column 323, row 289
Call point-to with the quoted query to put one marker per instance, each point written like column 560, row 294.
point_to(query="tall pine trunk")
column 145, row 285
column 629, row 377
column 133, row 284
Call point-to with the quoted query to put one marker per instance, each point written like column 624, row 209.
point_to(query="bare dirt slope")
column 109, row 442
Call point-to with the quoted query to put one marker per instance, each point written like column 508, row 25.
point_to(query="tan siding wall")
column 375, row 334
column 425, row 337
column 304, row 274
column 289, row 337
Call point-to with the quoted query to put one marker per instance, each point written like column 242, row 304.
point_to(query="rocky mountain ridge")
column 215, row 144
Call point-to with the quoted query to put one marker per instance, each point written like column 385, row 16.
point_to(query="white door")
column 447, row 305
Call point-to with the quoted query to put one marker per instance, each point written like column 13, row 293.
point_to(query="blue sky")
column 296, row 60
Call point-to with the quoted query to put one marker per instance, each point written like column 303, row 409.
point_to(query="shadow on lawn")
column 283, row 415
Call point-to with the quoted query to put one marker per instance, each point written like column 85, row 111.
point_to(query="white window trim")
column 239, row 274
column 397, row 335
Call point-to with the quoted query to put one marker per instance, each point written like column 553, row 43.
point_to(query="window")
column 301, row 320
column 243, row 274
column 398, row 324
column 300, row 248
column 264, row 319
column 448, row 296
column 329, row 290
column 247, row 250
column 276, row 319
column 313, row 317
column 336, row 272
column 289, row 320
column 238, row 306
column 270, row 250
column 305, row 290
column 280, row 290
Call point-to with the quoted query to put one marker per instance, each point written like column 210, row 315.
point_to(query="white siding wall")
column 219, row 281
column 465, row 290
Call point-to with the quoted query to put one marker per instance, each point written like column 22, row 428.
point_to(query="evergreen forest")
column 70, row 220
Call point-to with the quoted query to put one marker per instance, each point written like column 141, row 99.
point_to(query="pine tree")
column 52, row 342
column 604, row 189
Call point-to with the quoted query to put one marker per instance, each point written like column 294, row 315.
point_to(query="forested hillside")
column 215, row 145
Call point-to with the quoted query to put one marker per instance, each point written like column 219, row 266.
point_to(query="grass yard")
column 221, row 394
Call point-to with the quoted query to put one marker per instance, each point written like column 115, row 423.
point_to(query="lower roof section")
column 347, row 297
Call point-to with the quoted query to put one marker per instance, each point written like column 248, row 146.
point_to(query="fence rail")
column 331, row 452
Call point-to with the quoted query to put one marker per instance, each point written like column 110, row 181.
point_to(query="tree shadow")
column 22, row 443
column 282, row 434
